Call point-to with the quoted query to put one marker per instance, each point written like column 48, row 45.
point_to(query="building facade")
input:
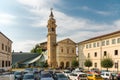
column 99, row 47
column 66, row 53
column 5, row 52
column 60, row 54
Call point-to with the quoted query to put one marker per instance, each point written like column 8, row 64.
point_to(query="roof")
column 66, row 39
column 5, row 36
column 21, row 57
column 101, row 36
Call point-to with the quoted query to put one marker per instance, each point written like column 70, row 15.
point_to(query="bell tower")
column 51, row 41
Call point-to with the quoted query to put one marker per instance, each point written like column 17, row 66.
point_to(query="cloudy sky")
column 25, row 21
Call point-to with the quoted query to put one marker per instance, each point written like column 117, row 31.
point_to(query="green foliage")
column 88, row 63
column 37, row 49
column 107, row 63
column 44, row 64
column 75, row 63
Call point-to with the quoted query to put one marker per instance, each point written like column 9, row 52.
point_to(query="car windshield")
column 17, row 73
column 82, row 75
column 73, row 74
column 45, row 75
column 67, row 71
column 61, row 76
column 97, row 76
column 28, row 77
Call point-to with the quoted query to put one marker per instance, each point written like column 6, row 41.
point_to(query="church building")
column 62, row 53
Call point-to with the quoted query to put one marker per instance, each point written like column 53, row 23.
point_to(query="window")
column 88, row 55
column 97, row 44
column 9, row 63
column 2, row 63
column 67, row 50
column 118, row 40
column 105, row 53
column 94, row 44
column 103, row 43
column 2, row 46
column 113, row 41
column 72, row 50
column 9, row 50
column 107, row 42
column 5, row 48
column 116, row 65
column 95, row 64
column 95, row 54
column 61, row 49
column 116, row 52
column 89, row 45
column 86, row 46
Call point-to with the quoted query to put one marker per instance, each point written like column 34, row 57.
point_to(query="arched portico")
column 67, row 64
column 62, row 64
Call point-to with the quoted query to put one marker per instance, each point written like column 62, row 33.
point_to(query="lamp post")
column 117, row 66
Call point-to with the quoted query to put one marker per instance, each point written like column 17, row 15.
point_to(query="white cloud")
column 6, row 19
column 77, row 29
column 105, row 13
column 25, row 46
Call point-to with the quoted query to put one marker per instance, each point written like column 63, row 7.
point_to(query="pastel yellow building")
column 5, row 52
column 98, row 47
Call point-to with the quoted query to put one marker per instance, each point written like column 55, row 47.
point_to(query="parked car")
column 18, row 75
column 46, row 76
column 118, row 76
column 94, row 77
column 78, row 76
column 67, row 72
column 60, row 76
column 28, row 70
column 29, row 76
column 106, row 75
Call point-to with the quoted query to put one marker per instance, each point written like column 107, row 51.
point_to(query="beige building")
column 62, row 53
column 98, row 47
column 66, row 52
column 51, row 41
column 5, row 52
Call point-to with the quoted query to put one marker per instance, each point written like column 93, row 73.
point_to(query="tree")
column 37, row 49
column 75, row 63
column 44, row 64
column 88, row 63
column 107, row 63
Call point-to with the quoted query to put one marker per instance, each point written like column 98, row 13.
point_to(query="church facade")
column 60, row 54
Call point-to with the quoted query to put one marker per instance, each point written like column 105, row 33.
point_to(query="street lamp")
column 117, row 66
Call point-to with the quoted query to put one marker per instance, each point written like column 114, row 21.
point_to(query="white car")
column 78, row 76
column 106, row 75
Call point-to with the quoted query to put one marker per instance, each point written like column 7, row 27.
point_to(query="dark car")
column 1, row 71
column 45, row 75
column 60, row 76
column 29, row 76
column 18, row 75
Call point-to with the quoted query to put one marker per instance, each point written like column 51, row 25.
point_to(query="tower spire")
column 51, row 15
